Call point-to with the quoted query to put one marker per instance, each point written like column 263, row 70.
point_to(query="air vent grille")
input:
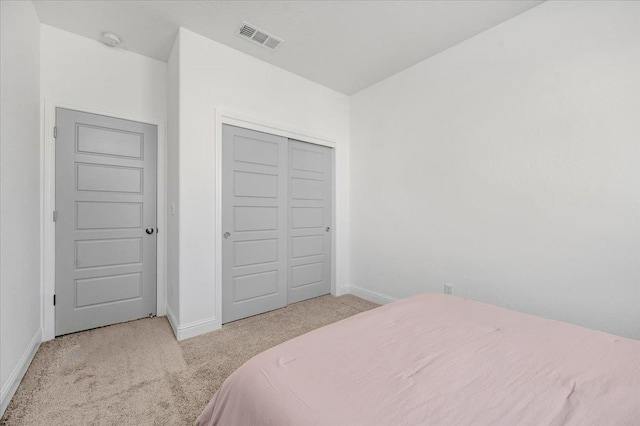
column 272, row 42
column 258, row 36
column 247, row 31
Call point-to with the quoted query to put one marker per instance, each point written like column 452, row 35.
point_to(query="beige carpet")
column 136, row 373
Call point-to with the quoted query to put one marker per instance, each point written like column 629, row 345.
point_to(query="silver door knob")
column 149, row 231
column 226, row 235
column 328, row 229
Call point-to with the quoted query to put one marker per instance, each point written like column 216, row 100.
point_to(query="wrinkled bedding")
column 437, row 360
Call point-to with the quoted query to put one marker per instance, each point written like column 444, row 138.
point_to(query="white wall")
column 215, row 76
column 173, row 180
column 81, row 73
column 20, row 307
column 509, row 167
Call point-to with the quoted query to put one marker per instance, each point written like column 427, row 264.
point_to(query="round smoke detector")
column 110, row 39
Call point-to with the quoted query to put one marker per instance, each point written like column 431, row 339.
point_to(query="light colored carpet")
column 136, row 373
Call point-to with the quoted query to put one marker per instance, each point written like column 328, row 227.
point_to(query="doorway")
column 105, row 220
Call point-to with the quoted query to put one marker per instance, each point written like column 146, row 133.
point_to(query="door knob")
column 328, row 229
column 226, row 235
column 149, row 231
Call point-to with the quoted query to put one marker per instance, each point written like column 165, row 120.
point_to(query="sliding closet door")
column 310, row 194
column 254, row 223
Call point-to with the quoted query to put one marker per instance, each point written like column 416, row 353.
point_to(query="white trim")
column 173, row 321
column 47, row 191
column 371, row 295
column 12, row 383
column 236, row 119
column 196, row 328
column 252, row 123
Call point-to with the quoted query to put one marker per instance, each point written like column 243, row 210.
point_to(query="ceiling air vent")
column 263, row 38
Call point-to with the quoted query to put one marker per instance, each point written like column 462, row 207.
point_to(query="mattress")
column 437, row 360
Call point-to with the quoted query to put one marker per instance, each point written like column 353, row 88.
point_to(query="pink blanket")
column 437, row 360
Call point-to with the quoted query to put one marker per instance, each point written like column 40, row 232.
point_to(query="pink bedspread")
column 437, row 360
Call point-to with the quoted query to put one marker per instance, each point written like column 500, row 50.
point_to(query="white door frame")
column 48, row 194
column 235, row 119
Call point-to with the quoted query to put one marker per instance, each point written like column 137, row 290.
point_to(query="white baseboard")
column 371, row 295
column 197, row 328
column 12, row 383
column 192, row 329
column 172, row 320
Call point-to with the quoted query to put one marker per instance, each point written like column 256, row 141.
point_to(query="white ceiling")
column 344, row 45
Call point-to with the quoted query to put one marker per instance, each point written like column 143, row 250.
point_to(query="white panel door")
column 254, row 223
column 106, row 220
column 309, row 221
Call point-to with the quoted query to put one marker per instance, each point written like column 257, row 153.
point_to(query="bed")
column 437, row 360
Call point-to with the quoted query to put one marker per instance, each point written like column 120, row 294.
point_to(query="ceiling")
column 344, row 45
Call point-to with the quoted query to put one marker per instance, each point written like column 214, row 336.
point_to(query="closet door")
column 254, row 223
column 309, row 241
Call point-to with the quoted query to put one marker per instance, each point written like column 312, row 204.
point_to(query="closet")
column 276, row 221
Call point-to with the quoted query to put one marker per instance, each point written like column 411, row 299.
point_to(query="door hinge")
column 55, row 131
column 54, row 300
column 55, row 215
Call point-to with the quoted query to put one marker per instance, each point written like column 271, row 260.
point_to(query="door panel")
column 106, row 215
column 305, row 159
column 114, row 251
column 93, row 291
column 309, row 237
column 99, row 177
column 255, row 185
column 254, row 214
column 255, row 285
column 308, row 274
column 312, row 245
column 105, row 198
column 256, row 151
column 112, row 142
column 307, row 189
column 254, row 252
column 307, row 217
